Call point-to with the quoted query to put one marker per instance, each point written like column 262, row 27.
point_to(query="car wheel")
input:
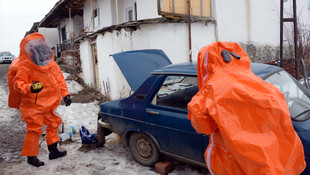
column 100, row 136
column 143, row 149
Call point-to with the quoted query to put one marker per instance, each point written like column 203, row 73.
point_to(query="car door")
column 166, row 118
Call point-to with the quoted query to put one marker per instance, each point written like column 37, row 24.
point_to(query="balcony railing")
column 65, row 46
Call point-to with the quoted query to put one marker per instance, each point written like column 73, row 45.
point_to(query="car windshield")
column 5, row 54
column 296, row 95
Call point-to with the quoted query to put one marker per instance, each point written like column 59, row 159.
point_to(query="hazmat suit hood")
column 247, row 118
column 34, row 49
column 212, row 61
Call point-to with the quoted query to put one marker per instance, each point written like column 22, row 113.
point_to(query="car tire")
column 143, row 149
column 100, row 136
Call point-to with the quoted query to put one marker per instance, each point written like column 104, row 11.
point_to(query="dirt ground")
column 12, row 133
column 10, row 141
column 88, row 94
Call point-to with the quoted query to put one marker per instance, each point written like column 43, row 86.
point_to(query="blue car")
column 153, row 120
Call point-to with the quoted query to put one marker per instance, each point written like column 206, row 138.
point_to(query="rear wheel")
column 143, row 149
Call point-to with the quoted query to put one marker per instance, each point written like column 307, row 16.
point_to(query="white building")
column 66, row 17
column 112, row 26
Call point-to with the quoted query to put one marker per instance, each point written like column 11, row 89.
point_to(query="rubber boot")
column 33, row 160
column 54, row 152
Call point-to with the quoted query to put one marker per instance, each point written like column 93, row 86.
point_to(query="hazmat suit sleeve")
column 61, row 81
column 20, row 81
column 201, row 121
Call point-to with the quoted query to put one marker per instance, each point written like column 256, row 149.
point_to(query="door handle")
column 152, row 112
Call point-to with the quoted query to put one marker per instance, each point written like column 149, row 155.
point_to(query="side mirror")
column 306, row 79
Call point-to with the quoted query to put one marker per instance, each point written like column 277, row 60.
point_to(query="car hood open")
column 137, row 65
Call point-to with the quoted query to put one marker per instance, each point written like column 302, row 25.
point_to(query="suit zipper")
column 35, row 102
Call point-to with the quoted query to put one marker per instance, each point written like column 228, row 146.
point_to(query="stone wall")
column 263, row 53
column 71, row 58
column 270, row 55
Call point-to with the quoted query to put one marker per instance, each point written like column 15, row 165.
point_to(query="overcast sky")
column 17, row 17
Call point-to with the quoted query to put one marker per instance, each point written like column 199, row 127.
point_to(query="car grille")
column 6, row 58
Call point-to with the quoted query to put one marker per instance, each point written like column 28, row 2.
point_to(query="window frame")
column 155, row 96
column 63, row 34
column 129, row 17
column 135, row 12
column 96, row 19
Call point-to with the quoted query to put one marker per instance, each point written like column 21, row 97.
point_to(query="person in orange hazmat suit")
column 247, row 118
column 36, row 86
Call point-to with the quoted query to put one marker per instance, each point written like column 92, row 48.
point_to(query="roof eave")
column 60, row 11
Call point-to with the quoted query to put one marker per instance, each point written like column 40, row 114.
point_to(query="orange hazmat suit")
column 247, row 118
column 36, row 64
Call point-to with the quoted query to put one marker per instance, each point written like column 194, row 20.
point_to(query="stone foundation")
column 261, row 53
column 71, row 58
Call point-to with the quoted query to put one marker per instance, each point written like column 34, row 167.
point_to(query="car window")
column 176, row 91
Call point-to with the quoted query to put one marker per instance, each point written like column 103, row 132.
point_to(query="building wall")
column 87, row 16
column 108, row 11
column 77, row 25
column 50, row 35
column 247, row 21
column 113, row 12
column 123, row 5
column 86, row 61
column 147, row 10
column 106, row 14
column 112, row 81
column 144, row 10
column 74, row 26
column 256, row 25
column 173, row 39
column 240, row 21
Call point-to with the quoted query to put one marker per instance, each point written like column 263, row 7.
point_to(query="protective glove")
column 36, row 87
column 67, row 100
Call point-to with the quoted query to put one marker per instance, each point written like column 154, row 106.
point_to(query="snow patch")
column 66, row 75
column 73, row 87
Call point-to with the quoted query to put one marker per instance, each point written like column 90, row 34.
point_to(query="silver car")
column 6, row 57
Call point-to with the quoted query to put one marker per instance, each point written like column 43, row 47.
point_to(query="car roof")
column 190, row 68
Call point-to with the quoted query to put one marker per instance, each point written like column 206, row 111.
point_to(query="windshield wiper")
column 302, row 113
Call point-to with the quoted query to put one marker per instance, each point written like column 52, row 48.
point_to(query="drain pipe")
column 189, row 30
column 116, row 8
column 71, row 28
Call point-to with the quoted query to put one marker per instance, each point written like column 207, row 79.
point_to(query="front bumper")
column 5, row 61
column 104, row 124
